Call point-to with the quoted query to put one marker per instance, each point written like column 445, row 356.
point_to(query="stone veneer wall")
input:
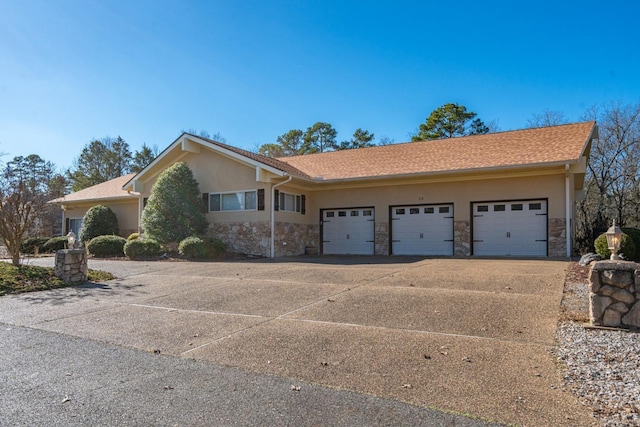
column 614, row 298
column 71, row 265
column 254, row 238
column 293, row 239
column 251, row 238
column 557, row 243
column 381, row 238
column 461, row 238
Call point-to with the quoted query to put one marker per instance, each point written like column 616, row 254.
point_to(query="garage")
column 348, row 231
column 510, row 228
column 422, row 230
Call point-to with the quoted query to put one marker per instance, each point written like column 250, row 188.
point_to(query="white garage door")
column 348, row 231
column 422, row 230
column 517, row 228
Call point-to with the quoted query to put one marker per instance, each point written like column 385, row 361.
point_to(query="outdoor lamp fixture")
column 614, row 237
column 71, row 239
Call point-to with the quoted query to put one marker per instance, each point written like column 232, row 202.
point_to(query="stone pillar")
column 71, row 265
column 614, row 298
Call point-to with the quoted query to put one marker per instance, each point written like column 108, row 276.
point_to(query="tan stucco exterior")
column 268, row 232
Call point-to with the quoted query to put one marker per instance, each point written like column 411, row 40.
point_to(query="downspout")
column 273, row 215
column 567, row 209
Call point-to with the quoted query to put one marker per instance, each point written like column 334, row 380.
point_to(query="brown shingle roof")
column 528, row 147
column 107, row 190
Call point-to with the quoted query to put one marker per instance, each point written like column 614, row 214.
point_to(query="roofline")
column 215, row 147
column 61, row 200
column 451, row 172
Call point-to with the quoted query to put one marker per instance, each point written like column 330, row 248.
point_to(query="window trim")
column 299, row 201
column 220, row 195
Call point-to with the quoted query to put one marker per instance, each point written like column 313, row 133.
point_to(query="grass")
column 30, row 278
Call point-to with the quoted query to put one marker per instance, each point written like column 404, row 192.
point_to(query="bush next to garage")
column 105, row 246
column 200, row 248
column 627, row 247
column 142, row 248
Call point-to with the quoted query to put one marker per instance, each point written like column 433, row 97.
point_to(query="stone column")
column 614, row 298
column 71, row 265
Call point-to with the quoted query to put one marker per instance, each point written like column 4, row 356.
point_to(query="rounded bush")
column 141, row 248
column 193, row 248
column 627, row 247
column 55, row 244
column 98, row 221
column 107, row 246
column 133, row 236
column 30, row 244
column 200, row 248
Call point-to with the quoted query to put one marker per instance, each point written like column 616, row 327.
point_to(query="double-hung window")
column 233, row 201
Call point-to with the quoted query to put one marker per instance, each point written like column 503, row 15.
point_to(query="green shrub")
column 627, row 248
column 55, row 244
column 133, row 236
column 30, row 244
column 98, row 221
column 107, row 246
column 200, row 248
column 634, row 233
column 141, row 248
column 174, row 210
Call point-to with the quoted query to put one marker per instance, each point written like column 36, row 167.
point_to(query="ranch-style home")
column 499, row 194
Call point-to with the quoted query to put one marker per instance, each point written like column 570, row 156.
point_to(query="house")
column 500, row 194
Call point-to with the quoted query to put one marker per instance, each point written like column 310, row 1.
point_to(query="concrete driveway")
column 469, row 336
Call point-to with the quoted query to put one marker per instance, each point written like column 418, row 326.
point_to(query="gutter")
column 273, row 215
column 567, row 209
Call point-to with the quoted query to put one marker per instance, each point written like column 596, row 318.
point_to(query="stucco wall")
column 126, row 212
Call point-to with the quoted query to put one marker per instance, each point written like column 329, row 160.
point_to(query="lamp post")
column 71, row 240
column 614, row 237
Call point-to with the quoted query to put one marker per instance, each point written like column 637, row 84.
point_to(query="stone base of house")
column 461, row 238
column 254, row 238
column 381, row 238
column 557, row 243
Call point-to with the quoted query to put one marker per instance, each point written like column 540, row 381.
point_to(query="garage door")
column 348, row 231
column 422, row 230
column 516, row 228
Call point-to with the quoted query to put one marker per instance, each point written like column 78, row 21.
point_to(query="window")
column 342, row 213
column 414, row 211
column 367, row 212
column 330, row 214
column 483, row 208
column 355, row 213
column 400, row 211
column 290, row 202
column 535, row 206
column 75, row 224
column 516, row 207
column 499, row 208
column 428, row 210
column 237, row 201
column 443, row 209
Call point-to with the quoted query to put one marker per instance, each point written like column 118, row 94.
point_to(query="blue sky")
column 73, row 71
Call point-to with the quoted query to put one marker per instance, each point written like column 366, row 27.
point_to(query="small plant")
column 141, row 248
column 29, row 245
column 104, row 246
column 55, row 244
column 627, row 248
column 98, row 221
column 133, row 236
column 200, row 248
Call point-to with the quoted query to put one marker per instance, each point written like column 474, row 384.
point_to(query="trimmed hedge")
column 200, row 248
column 55, row 244
column 142, row 248
column 30, row 244
column 107, row 246
column 133, row 236
column 627, row 247
column 98, row 221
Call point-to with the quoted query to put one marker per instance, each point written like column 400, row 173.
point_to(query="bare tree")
column 547, row 118
column 612, row 186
